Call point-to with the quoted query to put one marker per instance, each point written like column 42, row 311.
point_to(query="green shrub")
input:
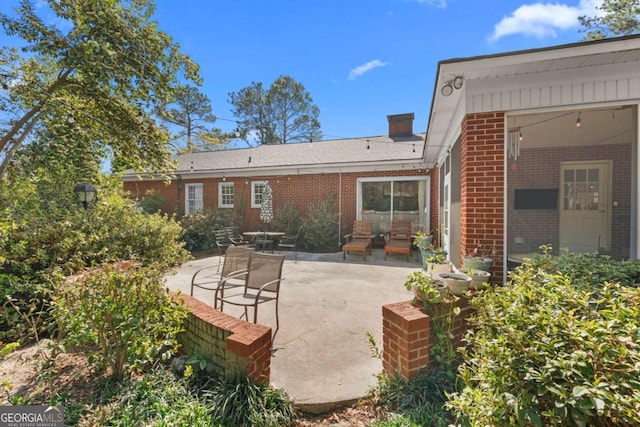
column 321, row 227
column 545, row 351
column 151, row 202
column 123, row 312
column 287, row 218
column 239, row 402
column 418, row 401
column 157, row 398
column 41, row 238
column 199, row 226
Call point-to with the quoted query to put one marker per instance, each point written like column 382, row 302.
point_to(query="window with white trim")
column 257, row 190
column 225, row 194
column 193, row 198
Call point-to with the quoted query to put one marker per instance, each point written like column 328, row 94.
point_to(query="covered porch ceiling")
column 518, row 69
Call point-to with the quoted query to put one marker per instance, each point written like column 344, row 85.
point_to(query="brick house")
column 538, row 147
column 377, row 178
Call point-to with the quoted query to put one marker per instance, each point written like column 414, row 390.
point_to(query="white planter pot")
column 457, row 283
column 479, row 279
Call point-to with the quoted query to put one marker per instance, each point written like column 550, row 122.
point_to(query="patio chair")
column 399, row 238
column 235, row 237
column 262, row 242
column 232, row 265
column 291, row 242
column 359, row 240
column 262, row 285
column 222, row 240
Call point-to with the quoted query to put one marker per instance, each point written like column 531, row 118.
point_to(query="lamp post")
column 86, row 193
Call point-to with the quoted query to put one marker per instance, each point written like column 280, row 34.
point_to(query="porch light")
column 455, row 83
column 578, row 121
column 86, row 193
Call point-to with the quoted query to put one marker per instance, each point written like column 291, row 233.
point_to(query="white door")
column 585, row 206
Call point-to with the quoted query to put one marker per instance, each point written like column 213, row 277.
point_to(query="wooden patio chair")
column 359, row 240
column 234, row 263
column 262, row 285
column 399, row 238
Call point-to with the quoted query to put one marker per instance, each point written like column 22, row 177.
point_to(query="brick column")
column 405, row 339
column 482, row 186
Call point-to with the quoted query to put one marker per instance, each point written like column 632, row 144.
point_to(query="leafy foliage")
column 418, row 401
column 281, row 114
column 199, row 226
column 102, row 68
column 548, row 351
column 44, row 232
column 122, row 311
column 618, row 17
column 287, row 218
column 156, row 398
column 239, row 402
column 321, row 226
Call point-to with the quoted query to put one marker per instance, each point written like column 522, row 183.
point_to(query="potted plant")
column 426, row 288
column 457, row 283
column 433, row 259
column 479, row 278
column 479, row 258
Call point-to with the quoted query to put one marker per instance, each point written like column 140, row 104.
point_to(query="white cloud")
column 361, row 69
column 543, row 19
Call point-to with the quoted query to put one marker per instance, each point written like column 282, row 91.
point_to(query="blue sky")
column 360, row 60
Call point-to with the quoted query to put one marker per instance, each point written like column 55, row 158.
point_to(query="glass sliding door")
column 382, row 200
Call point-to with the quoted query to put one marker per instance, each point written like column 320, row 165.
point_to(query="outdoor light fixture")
column 456, row 83
column 86, row 193
column 70, row 119
column 578, row 121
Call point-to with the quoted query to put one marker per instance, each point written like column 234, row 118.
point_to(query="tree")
column 190, row 114
column 284, row 113
column 99, row 76
column 620, row 17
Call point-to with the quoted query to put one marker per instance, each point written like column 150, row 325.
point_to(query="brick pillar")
column 405, row 342
column 482, row 186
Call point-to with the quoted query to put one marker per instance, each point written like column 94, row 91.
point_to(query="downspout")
column 339, row 209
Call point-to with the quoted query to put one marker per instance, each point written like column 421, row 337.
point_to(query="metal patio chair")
column 233, row 264
column 262, row 285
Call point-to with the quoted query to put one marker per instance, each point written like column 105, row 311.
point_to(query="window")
column 382, row 200
column 257, row 189
column 225, row 194
column 193, row 198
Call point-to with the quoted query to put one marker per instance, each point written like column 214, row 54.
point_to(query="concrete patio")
column 327, row 305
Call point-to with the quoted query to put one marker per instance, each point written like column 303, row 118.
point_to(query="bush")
column 418, row 401
column 321, row 227
column 124, row 312
column 547, row 352
column 287, row 218
column 239, row 402
column 41, row 236
column 156, row 398
column 199, row 226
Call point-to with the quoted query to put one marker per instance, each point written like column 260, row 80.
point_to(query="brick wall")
column 540, row 168
column 482, row 186
column 234, row 347
column 407, row 336
column 301, row 191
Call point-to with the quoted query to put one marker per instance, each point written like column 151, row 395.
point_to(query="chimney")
column 400, row 125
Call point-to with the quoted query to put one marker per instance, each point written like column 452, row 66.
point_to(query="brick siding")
column 301, row 191
column 233, row 346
